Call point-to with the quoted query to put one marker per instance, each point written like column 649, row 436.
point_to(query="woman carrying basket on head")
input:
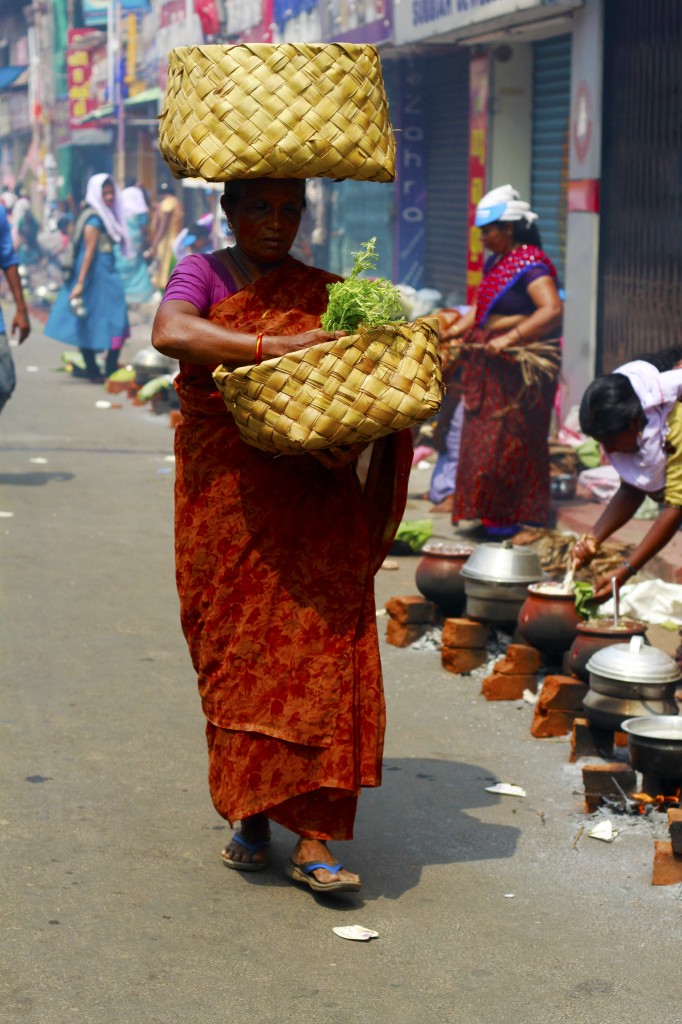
column 276, row 557
column 503, row 470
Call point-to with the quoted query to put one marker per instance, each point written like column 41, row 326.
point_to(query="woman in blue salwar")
column 90, row 311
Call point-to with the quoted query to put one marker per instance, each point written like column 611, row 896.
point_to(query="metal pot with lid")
column 630, row 681
column 496, row 579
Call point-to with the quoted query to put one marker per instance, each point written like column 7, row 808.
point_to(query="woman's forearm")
column 463, row 324
column 618, row 512
column 179, row 332
column 662, row 531
column 540, row 324
column 192, row 339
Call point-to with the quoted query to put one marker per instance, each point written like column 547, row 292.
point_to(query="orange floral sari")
column 275, row 559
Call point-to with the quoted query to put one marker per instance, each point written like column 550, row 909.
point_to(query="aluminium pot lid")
column 634, row 662
column 503, row 563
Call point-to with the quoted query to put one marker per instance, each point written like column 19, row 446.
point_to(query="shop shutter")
column 446, row 79
column 551, row 119
column 640, row 274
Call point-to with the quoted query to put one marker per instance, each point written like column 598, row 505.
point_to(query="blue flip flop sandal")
column 304, row 873
column 246, row 865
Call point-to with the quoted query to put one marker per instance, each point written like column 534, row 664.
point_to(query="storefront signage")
column 362, row 21
column 410, row 247
column 95, row 12
column 79, row 61
column 479, row 77
column 419, row 19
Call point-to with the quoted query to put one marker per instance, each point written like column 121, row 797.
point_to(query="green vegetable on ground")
column 358, row 301
column 415, row 532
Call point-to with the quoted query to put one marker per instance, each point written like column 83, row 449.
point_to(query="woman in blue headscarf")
column 90, row 311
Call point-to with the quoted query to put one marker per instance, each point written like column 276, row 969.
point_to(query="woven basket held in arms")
column 294, row 110
column 357, row 388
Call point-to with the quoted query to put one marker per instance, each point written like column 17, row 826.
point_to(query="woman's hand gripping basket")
column 356, row 389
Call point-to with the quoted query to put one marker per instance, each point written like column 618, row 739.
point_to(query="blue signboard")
column 410, row 247
column 95, row 11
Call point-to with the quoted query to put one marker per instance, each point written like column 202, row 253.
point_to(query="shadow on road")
column 36, row 479
column 416, row 819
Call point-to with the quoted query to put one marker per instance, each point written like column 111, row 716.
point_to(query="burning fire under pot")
column 496, row 579
column 629, row 681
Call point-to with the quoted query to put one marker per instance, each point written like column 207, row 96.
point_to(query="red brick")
column 587, row 741
column 464, row 633
column 175, row 418
column 548, row 722
column 506, row 687
column 519, row 660
column 116, row 387
column 413, row 609
column 667, row 867
column 675, row 826
column 402, row 635
column 562, row 693
column 608, row 785
column 462, row 659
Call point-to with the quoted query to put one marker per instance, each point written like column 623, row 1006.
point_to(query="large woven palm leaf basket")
column 292, row 110
column 356, row 389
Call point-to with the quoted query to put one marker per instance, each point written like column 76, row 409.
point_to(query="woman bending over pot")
column 636, row 416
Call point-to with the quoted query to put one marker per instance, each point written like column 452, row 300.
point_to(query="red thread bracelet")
column 259, row 348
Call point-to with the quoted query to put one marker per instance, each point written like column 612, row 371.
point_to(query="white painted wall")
column 582, row 243
column 509, row 152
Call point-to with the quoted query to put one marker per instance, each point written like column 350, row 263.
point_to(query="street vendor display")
column 511, row 359
column 276, row 557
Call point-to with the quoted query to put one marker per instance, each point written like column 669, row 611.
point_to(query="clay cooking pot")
column 548, row 620
column 593, row 636
column 438, row 576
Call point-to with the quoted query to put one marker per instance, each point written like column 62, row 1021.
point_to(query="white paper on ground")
column 356, row 932
column 603, row 830
column 506, row 789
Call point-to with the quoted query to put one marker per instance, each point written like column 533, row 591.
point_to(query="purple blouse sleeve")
column 200, row 279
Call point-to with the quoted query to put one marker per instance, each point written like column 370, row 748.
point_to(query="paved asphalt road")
column 115, row 906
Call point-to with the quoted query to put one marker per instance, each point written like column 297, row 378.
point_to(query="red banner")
column 479, row 77
column 82, row 98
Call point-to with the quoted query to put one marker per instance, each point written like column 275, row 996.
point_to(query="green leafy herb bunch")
column 360, row 301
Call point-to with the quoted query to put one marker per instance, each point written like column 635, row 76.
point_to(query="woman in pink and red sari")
column 503, row 471
column 276, row 557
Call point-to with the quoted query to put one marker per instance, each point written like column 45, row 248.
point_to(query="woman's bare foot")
column 249, row 848
column 309, row 851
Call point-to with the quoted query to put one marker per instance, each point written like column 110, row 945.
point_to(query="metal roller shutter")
column 551, row 119
column 640, row 279
column 446, row 79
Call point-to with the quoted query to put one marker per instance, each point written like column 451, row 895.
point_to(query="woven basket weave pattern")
column 356, row 389
column 289, row 111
